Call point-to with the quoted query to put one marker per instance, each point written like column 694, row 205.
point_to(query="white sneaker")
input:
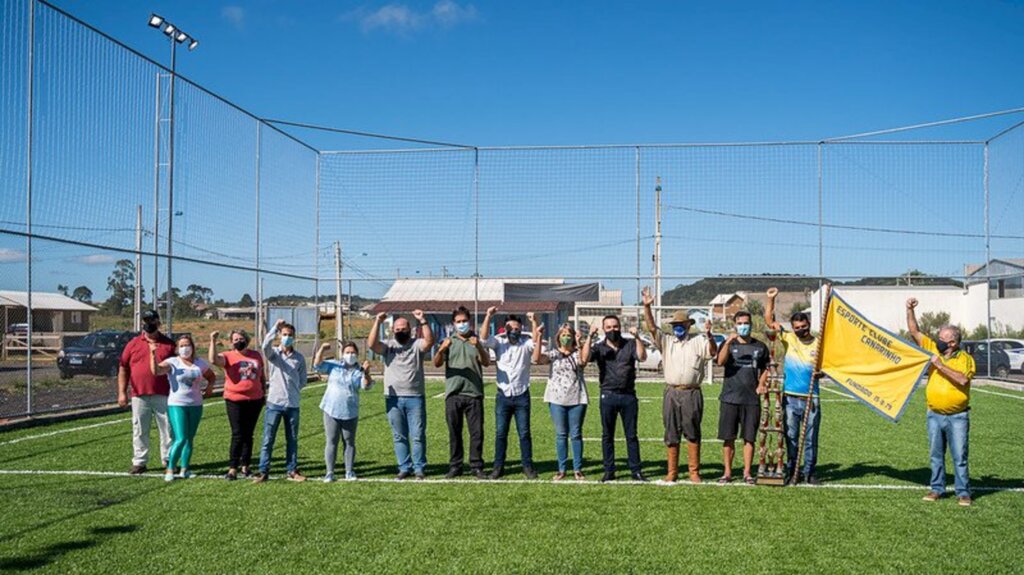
column 329, row 478
column 187, row 474
column 168, row 477
column 350, row 477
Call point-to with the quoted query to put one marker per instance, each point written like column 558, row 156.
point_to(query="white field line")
column 650, row 439
column 1017, row 397
column 711, row 484
column 830, row 390
column 111, row 422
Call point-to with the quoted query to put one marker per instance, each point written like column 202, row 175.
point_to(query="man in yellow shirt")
column 948, row 396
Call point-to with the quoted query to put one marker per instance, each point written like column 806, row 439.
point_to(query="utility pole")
column 339, row 318
column 657, row 242
column 137, row 315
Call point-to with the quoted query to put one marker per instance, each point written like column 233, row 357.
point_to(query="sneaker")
column 420, row 476
column 579, row 476
column 608, row 476
column 231, row 475
column 792, row 480
column 187, row 474
column 964, row 501
column 638, row 476
column 137, row 470
column 497, row 472
column 558, row 476
column 932, row 496
column 453, row 473
column 329, row 478
column 246, row 472
column 478, row 473
column 402, row 475
column 261, row 478
column 529, row 473
column 169, row 477
column 812, row 480
column 350, row 477
column 296, row 476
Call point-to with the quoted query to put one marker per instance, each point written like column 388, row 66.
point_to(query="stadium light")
column 193, row 44
column 155, row 21
column 169, row 29
column 180, row 37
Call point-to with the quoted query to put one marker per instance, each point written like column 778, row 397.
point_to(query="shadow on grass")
column 55, row 551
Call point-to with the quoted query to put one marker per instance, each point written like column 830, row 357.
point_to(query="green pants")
column 184, row 424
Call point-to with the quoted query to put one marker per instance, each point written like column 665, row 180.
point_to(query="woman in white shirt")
column 565, row 394
column 345, row 377
column 185, row 373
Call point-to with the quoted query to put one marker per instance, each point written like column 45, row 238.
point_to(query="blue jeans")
column 408, row 419
column 271, row 420
column 568, row 422
column 504, row 409
column 794, row 407
column 951, row 430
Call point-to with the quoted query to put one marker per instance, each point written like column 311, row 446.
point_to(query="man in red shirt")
column 148, row 391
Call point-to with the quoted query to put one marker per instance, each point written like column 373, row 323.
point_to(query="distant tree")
column 121, row 285
column 62, row 289
column 82, row 294
column 199, row 294
column 246, row 301
column 755, row 308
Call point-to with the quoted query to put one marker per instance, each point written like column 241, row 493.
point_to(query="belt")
column 682, row 386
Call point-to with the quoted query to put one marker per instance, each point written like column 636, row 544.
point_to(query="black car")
column 97, row 353
column 979, row 350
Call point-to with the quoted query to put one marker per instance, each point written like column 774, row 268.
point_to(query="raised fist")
column 772, row 292
column 912, row 303
column 418, row 314
column 381, row 316
column 648, row 299
column 473, row 341
column 279, row 323
column 214, row 334
column 492, row 309
column 632, row 331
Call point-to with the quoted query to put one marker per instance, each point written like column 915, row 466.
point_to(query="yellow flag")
column 874, row 365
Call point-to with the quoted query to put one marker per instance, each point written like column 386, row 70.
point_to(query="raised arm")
column 723, row 352
column 481, row 351
column 367, row 378
column 769, row 309
column 712, row 344
column 442, row 353
column 485, row 329
column 373, row 340
column 538, row 332
column 641, row 351
column 268, row 342
column 211, row 355
column 427, row 341
column 648, row 300
column 587, row 340
column 318, row 357
column 156, row 368
column 912, row 327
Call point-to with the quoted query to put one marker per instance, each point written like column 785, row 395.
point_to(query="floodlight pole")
column 657, row 243
column 339, row 327
column 170, row 190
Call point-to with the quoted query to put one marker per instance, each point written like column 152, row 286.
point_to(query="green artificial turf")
column 868, row 517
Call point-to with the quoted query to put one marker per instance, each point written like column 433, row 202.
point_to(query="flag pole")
column 815, row 376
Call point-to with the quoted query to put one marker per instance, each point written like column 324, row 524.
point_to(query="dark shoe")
column 529, row 473
column 608, row 476
column 812, row 480
column 792, row 480
column 453, row 473
column 497, row 472
column 402, row 475
column 478, row 473
column 261, row 478
column 137, row 470
column 638, row 476
column 231, row 475
column 420, row 476
column 246, row 472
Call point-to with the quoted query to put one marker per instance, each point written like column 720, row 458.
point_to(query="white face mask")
column 349, row 358
column 185, row 351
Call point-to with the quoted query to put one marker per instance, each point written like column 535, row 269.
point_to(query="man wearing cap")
column 684, row 359
column 148, row 391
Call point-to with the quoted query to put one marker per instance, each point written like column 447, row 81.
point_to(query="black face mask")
column 513, row 334
column 941, row 346
column 613, row 335
column 240, row 345
column 402, row 337
column 802, row 333
column 150, row 327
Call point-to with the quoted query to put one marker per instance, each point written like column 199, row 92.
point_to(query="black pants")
column 614, row 405
column 242, row 415
column 472, row 408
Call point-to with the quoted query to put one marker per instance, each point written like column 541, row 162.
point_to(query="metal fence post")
column 28, row 199
column 988, row 268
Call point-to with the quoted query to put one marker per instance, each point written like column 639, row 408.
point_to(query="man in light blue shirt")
column 286, row 372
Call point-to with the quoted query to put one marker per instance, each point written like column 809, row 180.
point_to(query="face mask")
column 802, row 333
column 942, row 346
column 679, row 330
column 151, row 327
column 462, row 327
column 402, row 337
column 185, row 351
column 565, row 340
column 613, row 335
column 287, row 340
column 513, row 334
column 239, row 345
column 349, row 358
column 743, row 329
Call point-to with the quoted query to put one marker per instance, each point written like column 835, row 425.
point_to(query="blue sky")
column 528, row 73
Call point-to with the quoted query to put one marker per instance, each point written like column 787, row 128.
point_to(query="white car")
column 1014, row 348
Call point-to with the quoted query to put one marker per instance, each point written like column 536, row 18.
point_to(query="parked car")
column 97, row 353
column 979, row 350
column 17, row 328
column 1013, row 348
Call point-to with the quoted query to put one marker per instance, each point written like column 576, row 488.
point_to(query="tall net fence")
column 126, row 186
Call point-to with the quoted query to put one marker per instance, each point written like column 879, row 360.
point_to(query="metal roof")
column 43, row 300
column 455, row 289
